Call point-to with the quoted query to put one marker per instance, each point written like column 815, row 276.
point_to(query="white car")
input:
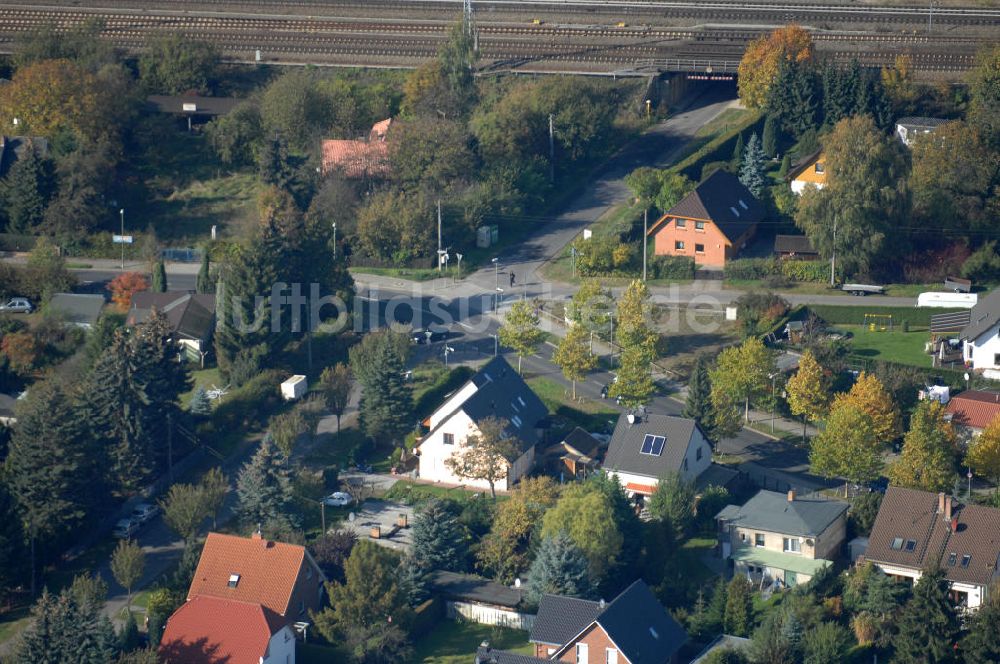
column 338, row 499
column 143, row 512
column 125, row 529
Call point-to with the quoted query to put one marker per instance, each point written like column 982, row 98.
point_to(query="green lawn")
column 895, row 346
column 592, row 415
column 689, row 559
column 12, row 622
column 408, row 273
column 411, row 493
column 455, row 643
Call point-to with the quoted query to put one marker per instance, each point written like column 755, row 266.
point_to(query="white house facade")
column 981, row 336
column 495, row 391
column 281, row 647
column 644, row 448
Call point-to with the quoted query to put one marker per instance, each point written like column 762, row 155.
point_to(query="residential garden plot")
column 892, row 346
column 456, row 642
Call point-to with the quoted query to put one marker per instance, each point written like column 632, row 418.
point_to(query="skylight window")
column 513, row 404
column 743, row 205
column 654, row 633
column 521, row 401
column 734, row 211
column 897, row 543
column 952, row 559
column 911, row 545
column 652, row 445
column 517, row 421
column 234, row 580
column 966, row 559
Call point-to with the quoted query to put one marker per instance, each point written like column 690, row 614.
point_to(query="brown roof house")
column 795, row 246
column 916, row 529
column 282, row 578
column 577, row 455
column 361, row 158
column 972, row 410
column 711, row 224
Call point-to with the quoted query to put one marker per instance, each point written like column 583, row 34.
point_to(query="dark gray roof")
column 641, row 628
column 983, row 316
column 802, row 164
column 626, row 442
column 722, row 642
column 911, row 121
column 191, row 315
column 469, row 587
column 209, row 106
column 582, row 442
column 716, row 475
column 793, row 244
column 773, row 512
column 79, row 309
column 503, row 393
column 490, row 656
column 953, row 321
column 560, row 618
column 722, row 199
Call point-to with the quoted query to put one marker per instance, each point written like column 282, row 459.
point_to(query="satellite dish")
column 631, row 418
column 966, row 375
column 517, row 582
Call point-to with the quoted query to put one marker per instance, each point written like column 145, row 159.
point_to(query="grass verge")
column 455, row 642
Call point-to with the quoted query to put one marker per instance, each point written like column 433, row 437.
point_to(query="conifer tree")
column 386, row 407
column 26, row 190
column 738, row 619
column 786, row 165
column 12, row 553
column 65, row 631
column 559, row 568
column 200, row 404
column 159, row 280
column 752, row 169
column 770, row 140
column 263, row 486
column 439, row 540
column 737, row 159
column 716, row 611
column 982, row 643
column 928, row 627
column 698, row 405
column 203, row 282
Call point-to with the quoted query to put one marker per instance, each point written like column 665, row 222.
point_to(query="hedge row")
column 671, row 267
column 762, row 268
column 836, row 314
column 719, row 148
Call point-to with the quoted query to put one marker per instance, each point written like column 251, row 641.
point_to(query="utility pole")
column 439, row 235
column 322, row 515
column 170, row 447
column 552, row 150
column 833, row 255
column 612, row 345
column 122, row 213
column 645, row 240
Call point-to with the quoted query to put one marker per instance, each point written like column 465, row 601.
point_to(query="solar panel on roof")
column 652, row 445
column 658, row 442
column 647, row 444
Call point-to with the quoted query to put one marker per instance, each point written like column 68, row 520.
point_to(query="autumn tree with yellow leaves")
column 762, row 61
column 870, row 396
column 927, row 461
column 51, row 96
column 984, row 452
column 808, row 391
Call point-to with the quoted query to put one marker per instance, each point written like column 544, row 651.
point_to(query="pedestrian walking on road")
column 511, row 279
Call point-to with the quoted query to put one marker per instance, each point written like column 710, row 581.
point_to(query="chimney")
column 941, row 503
column 947, row 508
column 791, row 495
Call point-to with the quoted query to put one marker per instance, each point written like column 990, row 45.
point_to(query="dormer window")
column 234, row 580
column 819, row 167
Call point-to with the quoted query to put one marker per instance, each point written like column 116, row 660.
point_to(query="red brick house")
column 711, row 224
column 634, row 628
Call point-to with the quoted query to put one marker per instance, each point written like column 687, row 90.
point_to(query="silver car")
column 17, row 305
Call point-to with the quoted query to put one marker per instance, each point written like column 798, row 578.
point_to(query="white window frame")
column 791, row 545
column 610, row 656
column 582, row 653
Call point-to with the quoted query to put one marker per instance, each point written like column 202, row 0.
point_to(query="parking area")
column 383, row 522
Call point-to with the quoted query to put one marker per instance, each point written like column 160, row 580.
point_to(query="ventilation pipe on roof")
column 791, row 495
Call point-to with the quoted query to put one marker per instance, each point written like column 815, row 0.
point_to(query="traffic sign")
column 122, row 239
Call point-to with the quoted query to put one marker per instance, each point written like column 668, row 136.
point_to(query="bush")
column 983, row 264
column 603, row 256
column 250, row 404
column 765, row 268
column 671, row 267
column 751, row 268
column 811, row 271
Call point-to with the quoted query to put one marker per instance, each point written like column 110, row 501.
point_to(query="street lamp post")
column 496, row 344
column 772, row 377
column 122, row 213
column 335, row 240
column 447, row 350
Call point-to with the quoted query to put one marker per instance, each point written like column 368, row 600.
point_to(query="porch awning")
column 790, row 562
column 644, row 489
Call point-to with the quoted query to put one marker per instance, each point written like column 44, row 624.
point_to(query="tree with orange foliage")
column 124, row 286
column 869, row 395
column 761, row 61
column 21, row 350
column 50, row 96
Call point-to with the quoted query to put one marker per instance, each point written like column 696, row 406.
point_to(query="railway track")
column 360, row 41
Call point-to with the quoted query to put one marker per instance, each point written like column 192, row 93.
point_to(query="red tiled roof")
column 974, row 408
column 209, row 630
column 640, row 488
column 908, row 514
column 267, row 570
column 356, row 159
